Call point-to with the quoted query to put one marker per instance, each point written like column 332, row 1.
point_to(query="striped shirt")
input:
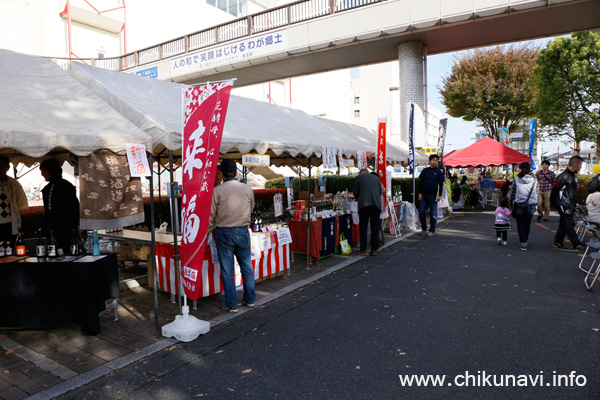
column 546, row 180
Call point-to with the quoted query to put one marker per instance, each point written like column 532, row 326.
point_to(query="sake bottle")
column 40, row 245
column 51, row 248
column 74, row 244
column 20, row 245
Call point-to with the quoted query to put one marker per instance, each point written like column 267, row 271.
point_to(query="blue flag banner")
column 531, row 142
column 411, row 145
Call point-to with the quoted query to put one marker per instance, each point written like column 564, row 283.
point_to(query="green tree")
column 568, row 78
column 492, row 86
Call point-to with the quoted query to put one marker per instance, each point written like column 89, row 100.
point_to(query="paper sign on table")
column 284, row 236
column 265, row 241
column 214, row 253
column 255, row 248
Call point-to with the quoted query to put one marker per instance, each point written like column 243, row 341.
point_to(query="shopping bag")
column 344, row 245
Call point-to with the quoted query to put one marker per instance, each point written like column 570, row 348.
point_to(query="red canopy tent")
column 485, row 152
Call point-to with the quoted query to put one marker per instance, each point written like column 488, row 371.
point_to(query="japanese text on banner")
column 381, row 154
column 205, row 109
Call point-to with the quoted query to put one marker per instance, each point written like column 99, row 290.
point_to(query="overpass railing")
column 264, row 21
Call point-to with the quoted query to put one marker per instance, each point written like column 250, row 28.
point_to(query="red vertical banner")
column 381, row 156
column 205, row 109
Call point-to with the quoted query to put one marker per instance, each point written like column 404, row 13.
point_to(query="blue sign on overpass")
column 148, row 73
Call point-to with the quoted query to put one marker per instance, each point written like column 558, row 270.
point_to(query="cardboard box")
column 131, row 251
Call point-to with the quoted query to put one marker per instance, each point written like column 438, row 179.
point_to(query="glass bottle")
column 51, row 248
column 82, row 241
column 8, row 250
column 95, row 244
column 40, row 245
column 2, row 251
column 20, row 245
column 74, row 243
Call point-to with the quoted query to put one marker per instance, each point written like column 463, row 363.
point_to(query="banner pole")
column 308, row 219
column 153, row 238
column 174, row 224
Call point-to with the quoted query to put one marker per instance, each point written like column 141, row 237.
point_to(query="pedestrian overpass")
column 311, row 36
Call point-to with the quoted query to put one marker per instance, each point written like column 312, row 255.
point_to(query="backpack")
column 555, row 191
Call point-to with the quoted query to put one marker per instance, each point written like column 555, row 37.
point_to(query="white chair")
column 594, row 245
column 583, row 224
column 590, row 277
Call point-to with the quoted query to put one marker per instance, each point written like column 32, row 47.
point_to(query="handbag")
column 521, row 209
column 344, row 245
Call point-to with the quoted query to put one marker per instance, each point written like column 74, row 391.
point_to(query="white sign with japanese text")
column 214, row 253
column 284, row 236
column 265, row 241
column 255, row 247
column 278, row 203
column 347, row 163
column 138, row 162
column 361, row 158
column 245, row 49
column 256, row 160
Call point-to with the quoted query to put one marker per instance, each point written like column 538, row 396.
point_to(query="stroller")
column 475, row 197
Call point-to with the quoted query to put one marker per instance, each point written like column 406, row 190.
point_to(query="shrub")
column 264, row 199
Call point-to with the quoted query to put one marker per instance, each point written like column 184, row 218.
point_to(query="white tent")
column 395, row 152
column 251, row 126
column 44, row 110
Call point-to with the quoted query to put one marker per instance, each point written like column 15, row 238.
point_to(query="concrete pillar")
column 410, row 57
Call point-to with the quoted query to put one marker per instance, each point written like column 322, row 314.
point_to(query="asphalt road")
column 455, row 305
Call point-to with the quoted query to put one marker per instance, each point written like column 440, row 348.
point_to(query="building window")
column 237, row 8
column 356, row 113
column 357, row 100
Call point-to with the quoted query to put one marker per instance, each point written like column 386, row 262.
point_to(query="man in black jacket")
column 368, row 191
column 564, row 197
column 61, row 205
column 431, row 180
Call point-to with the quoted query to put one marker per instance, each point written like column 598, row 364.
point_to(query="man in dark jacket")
column 368, row 191
column 61, row 205
column 564, row 197
column 431, row 180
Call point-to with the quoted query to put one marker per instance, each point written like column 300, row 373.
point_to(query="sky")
column 461, row 133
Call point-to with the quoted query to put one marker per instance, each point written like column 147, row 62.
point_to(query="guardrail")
column 264, row 21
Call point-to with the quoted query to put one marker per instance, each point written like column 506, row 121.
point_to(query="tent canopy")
column 484, row 152
column 44, row 110
column 289, row 136
column 394, row 151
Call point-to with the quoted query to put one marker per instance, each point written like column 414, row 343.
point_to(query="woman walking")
column 523, row 194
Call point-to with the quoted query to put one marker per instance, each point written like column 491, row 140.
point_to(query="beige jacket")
column 232, row 205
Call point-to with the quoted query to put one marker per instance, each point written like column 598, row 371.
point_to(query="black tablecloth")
column 39, row 294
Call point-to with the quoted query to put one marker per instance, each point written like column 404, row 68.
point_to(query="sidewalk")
column 46, row 363
column 442, row 306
